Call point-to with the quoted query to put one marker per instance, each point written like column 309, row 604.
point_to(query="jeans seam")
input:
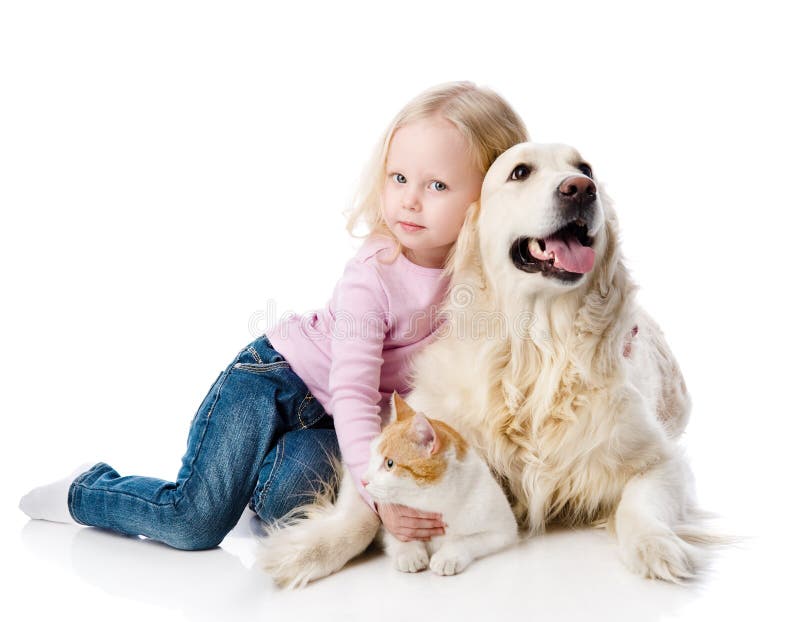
column 268, row 482
column 261, row 368
column 216, row 398
column 252, row 351
column 306, row 401
column 176, row 498
column 70, row 501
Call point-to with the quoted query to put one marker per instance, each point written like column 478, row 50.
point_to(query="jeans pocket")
column 259, row 357
column 260, row 368
column 309, row 412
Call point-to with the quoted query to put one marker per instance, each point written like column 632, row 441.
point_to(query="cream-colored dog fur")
column 530, row 370
column 577, row 431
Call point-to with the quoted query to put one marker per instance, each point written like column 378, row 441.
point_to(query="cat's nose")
column 364, row 483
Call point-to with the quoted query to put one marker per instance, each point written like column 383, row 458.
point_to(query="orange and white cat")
column 415, row 461
column 425, row 464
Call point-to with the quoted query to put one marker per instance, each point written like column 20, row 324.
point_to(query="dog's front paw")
column 450, row 560
column 411, row 557
column 660, row 556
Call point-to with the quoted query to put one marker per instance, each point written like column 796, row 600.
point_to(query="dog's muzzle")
column 565, row 254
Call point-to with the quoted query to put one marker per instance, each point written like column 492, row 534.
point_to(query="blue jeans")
column 259, row 437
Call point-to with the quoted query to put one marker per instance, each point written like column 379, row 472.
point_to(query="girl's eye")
column 389, row 463
column 399, row 178
column 520, row 172
column 585, row 169
column 438, row 186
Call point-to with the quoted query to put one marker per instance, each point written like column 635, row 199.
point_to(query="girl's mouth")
column 408, row 226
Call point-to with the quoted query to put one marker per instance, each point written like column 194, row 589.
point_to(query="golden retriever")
column 547, row 366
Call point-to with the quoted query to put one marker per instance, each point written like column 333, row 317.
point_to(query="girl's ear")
column 400, row 410
column 425, row 434
column 464, row 253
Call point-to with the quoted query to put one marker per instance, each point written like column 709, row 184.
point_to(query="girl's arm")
column 361, row 321
column 360, row 308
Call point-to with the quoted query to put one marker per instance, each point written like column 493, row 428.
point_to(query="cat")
column 415, row 461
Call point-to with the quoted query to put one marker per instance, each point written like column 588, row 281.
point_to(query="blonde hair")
column 487, row 122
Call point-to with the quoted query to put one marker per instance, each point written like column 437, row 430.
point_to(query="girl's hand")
column 407, row 524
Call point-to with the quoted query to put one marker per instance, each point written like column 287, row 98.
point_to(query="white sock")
column 49, row 502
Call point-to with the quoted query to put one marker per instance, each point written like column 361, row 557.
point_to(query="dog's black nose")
column 577, row 189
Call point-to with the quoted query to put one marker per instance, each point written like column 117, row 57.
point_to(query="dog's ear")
column 604, row 278
column 607, row 304
column 612, row 282
column 465, row 252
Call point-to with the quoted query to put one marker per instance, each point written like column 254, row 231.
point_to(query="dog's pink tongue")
column 570, row 254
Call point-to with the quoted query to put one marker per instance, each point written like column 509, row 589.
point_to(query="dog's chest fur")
column 555, row 444
column 567, row 459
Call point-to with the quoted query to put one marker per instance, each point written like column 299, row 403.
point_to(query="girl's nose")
column 411, row 200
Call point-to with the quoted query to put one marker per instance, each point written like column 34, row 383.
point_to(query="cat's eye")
column 388, row 463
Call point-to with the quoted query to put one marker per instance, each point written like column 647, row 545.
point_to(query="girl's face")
column 430, row 182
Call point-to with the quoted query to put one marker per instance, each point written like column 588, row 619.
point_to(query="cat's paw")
column 449, row 561
column 411, row 559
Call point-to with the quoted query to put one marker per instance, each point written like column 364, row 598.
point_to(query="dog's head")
column 541, row 218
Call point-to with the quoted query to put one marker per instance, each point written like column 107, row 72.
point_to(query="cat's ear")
column 425, row 434
column 400, row 410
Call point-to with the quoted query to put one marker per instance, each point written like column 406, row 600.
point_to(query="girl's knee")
column 197, row 531
column 195, row 541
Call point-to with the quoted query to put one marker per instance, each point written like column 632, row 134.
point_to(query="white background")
column 173, row 177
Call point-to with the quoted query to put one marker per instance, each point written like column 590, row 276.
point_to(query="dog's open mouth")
column 566, row 254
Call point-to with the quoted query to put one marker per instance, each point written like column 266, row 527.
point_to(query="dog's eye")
column 585, row 169
column 389, row 463
column 521, row 171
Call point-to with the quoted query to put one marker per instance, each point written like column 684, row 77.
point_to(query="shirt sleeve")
column 360, row 323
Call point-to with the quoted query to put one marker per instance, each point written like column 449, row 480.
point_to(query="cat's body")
column 417, row 462
column 434, row 470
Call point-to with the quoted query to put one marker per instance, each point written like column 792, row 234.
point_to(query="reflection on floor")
column 565, row 574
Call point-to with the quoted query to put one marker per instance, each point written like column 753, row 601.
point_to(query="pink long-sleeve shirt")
column 356, row 351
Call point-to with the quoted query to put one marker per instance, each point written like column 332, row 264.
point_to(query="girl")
column 263, row 435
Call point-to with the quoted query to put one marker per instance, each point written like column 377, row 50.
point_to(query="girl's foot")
column 49, row 502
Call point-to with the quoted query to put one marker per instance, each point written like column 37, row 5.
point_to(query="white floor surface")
column 564, row 575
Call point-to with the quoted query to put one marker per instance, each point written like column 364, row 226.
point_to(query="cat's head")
column 412, row 451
